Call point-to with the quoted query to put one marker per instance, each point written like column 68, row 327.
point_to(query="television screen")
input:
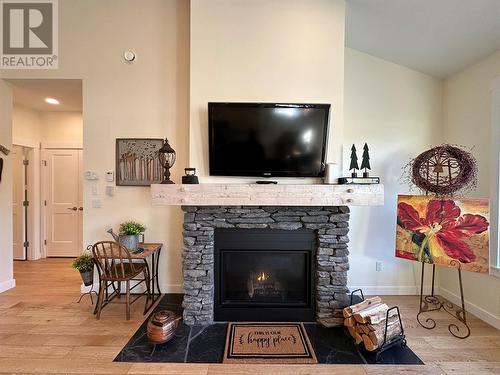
column 264, row 139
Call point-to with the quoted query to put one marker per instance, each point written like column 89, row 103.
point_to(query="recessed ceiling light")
column 52, row 101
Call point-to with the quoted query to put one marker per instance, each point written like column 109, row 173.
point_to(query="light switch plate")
column 96, row 203
column 110, row 191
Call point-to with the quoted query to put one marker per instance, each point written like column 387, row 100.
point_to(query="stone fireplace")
column 329, row 265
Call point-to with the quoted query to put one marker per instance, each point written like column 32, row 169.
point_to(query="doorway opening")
column 47, row 132
column 22, row 194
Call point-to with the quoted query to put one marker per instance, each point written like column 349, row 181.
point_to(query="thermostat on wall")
column 110, row 176
column 91, row 175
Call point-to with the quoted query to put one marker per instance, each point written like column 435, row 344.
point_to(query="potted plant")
column 129, row 235
column 85, row 264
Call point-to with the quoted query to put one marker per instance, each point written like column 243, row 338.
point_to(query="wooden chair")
column 115, row 264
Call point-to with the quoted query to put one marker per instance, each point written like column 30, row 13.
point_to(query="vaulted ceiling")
column 436, row 37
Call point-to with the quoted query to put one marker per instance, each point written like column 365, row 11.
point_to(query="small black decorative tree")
column 365, row 163
column 354, row 162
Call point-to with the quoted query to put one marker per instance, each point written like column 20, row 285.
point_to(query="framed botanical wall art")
column 137, row 162
column 444, row 231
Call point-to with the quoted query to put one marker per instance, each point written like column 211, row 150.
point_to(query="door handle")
column 73, row 208
column 80, row 208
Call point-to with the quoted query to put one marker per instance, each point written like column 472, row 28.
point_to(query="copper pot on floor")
column 162, row 326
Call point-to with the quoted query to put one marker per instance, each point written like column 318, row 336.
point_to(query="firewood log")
column 376, row 310
column 348, row 311
column 357, row 337
column 369, row 345
column 393, row 318
column 376, row 338
column 364, row 329
column 349, row 322
column 380, row 318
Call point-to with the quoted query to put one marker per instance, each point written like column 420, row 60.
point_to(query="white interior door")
column 18, row 191
column 63, row 195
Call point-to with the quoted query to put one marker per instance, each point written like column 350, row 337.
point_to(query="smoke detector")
column 129, row 56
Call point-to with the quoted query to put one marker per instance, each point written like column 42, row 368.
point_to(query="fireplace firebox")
column 264, row 274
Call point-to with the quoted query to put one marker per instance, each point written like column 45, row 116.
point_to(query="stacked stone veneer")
column 330, row 223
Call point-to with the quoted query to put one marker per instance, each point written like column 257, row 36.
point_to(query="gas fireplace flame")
column 262, row 277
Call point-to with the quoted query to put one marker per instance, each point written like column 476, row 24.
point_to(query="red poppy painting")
column 445, row 231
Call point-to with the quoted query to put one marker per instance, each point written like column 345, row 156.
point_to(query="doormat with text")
column 268, row 343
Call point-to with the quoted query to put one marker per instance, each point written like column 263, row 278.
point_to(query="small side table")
column 149, row 249
column 153, row 250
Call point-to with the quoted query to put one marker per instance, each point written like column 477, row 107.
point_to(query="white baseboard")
column 472, row 308
column 6, row 285
column 387, row 290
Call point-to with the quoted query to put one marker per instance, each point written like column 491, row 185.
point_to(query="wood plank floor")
column 44, row 330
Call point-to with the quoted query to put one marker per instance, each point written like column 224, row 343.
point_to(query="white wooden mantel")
column 267, row 195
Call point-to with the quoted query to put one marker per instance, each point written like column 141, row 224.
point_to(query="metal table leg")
column 153, row 278
column 156, row 272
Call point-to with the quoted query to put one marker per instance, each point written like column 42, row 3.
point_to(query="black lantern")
column 167, row 160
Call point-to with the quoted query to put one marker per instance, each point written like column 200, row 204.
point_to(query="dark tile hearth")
column 205, row 344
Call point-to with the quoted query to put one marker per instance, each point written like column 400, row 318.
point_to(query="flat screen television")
column 267, row 139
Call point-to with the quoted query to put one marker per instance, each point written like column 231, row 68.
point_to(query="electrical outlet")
column 378, row 265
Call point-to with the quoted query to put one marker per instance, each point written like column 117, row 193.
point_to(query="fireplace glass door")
column 264, row 277
column 264, row 274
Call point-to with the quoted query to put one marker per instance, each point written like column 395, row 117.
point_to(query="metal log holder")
column 387, row 344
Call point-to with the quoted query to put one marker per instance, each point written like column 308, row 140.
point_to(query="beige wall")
column 467, row 122
column 265, row 51
column 6, row 274
column 62, row 126
column 40, row 126
column 145, row 99
column 397, row 111
column 26, row 124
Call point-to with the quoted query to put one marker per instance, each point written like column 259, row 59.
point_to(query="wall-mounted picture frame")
column 137, row 161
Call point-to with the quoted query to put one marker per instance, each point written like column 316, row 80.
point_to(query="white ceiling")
column 436, row 37
column 31, row 93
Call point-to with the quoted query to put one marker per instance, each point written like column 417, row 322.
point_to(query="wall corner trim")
column 495, row 84
column 6, row 285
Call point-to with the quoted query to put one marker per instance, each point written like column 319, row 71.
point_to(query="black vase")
column 87, row 277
